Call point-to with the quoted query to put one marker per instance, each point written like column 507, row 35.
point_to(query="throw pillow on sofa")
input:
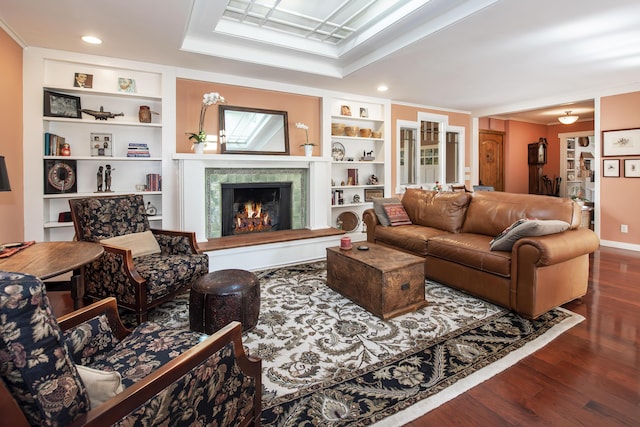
column 396, row 214
column 378, row 207
column 526, row 228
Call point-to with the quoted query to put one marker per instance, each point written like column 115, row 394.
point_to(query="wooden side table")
column 50, row 259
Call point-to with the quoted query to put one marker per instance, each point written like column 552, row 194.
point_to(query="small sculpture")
column 356, row 198
column 373, row 180
column 99, row 177
column 107, row 178
column 101, row 115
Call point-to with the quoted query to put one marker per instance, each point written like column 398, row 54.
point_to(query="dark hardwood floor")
column 588, row 376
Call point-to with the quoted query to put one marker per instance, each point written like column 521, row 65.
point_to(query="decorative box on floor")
column 222, row 296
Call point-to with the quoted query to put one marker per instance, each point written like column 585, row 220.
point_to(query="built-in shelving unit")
column 360, row 166
column 577, row 164
column 128, row 174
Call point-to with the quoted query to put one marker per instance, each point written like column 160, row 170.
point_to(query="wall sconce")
column 4, row 176
column 568, row 118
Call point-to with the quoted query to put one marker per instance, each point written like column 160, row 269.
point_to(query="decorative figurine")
column 356, row 198
column 101, row 115
column 99, row 177
column 373, row 180
column 107, row 178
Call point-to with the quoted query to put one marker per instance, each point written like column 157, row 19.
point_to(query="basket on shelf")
column 351, row 130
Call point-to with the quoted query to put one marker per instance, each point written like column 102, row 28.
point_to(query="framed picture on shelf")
column 60, row 176
column 126, row 85
column 101, row 145
column 61, row 105
column 624, row 142
column 611, row 168
column 632, row 168
column 83, row 80
column 372, row 193
column 345, row 110
column 364, row 113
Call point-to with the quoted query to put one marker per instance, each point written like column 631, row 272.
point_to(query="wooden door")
column 491, row 159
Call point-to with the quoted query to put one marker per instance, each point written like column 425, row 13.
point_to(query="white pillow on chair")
column 140, row 244
column 101, row 385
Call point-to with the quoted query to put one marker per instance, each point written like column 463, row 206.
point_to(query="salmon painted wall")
column 410, row 113
column 516, row 169
column 517, row 136
column 11, row 202
column 619, row 199
column 299, row 108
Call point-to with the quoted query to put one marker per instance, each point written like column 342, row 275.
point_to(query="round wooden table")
column 50, row 259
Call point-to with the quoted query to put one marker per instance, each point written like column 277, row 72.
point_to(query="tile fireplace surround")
column 199, row 179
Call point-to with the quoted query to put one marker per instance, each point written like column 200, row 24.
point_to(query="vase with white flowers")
column 199, row 139
column 308, row 146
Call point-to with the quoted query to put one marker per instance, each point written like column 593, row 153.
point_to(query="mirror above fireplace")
column 253, row 131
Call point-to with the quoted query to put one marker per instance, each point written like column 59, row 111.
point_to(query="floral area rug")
column 327, row 361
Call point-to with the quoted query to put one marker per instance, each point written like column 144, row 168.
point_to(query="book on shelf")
column 154, row 182
column 53, row 144
column 138, row 150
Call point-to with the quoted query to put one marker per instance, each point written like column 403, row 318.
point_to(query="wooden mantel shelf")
column 252, row 239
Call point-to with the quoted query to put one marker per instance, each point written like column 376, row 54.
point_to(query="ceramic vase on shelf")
column 308, row 150
column 198, row 148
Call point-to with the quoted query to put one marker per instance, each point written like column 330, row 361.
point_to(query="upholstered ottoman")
column 221, row 296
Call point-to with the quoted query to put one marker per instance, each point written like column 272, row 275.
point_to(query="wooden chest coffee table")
column 384, row 281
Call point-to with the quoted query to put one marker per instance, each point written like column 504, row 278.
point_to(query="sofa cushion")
column 526, row 228
column 396, row 214
column 412, row 238
column 490, row 212
column 471, row 250
column 443, row 210
column 378, row 207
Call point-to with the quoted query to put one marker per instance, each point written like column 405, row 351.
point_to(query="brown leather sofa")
column 453, row 231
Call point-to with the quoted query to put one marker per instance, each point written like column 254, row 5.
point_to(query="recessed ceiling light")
column 382, row 88
column 91, row 40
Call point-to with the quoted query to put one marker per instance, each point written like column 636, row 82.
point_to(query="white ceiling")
column 482, row 56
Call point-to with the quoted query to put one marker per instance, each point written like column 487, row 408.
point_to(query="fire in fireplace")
column 255, row 207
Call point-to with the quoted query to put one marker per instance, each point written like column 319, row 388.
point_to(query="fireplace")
column 255, row 207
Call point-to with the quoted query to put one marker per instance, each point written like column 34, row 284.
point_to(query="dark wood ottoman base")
column 222, row 296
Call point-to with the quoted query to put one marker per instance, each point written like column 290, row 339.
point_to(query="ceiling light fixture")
column 91, row 40
column 382, row 88
column 568, row 118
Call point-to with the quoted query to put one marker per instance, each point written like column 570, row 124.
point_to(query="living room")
column 181, row 91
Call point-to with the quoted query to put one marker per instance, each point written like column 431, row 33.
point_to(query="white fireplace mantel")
column 191, row 185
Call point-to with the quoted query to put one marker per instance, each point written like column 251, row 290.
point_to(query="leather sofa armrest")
column 371, row 220
column 556, row 248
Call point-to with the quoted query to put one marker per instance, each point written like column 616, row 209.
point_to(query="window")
column 428, row 150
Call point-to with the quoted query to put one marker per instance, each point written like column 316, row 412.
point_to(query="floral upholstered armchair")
column 87, row 369
column 141, row 267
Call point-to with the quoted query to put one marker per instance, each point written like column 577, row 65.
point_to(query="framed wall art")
column 61, row 105
column 632, row 168
column 611, row 168
column 60, row 176
column 101, row 144
column 625, row 142
column 83, row 80
column 371, row 193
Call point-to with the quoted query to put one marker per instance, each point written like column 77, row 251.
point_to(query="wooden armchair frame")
column 123, row 259
column 139, row 393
